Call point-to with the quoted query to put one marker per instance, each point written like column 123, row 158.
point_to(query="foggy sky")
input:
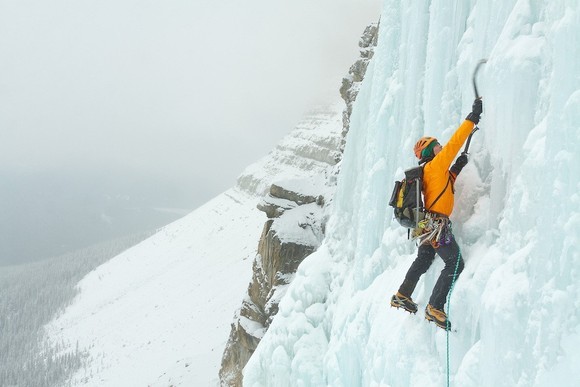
column 183, row 93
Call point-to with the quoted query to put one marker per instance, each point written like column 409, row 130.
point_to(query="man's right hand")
column 476, row 111
column 477, row 107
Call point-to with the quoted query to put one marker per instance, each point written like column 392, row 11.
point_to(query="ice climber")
column 438, row 180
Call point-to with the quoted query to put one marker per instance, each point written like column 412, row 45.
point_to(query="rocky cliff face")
column 292, row 232
column 351, row 83
column 294, row 205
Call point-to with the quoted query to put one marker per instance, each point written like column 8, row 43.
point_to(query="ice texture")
column 516, row 306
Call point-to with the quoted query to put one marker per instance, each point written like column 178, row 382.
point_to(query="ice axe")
column 477, row 67
column 477, row 96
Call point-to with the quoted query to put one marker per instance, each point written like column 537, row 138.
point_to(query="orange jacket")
column 438, row 179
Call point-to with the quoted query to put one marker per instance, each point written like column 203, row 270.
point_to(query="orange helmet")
column 422, row 144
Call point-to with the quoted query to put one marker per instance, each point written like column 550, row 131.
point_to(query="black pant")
column 450, row 254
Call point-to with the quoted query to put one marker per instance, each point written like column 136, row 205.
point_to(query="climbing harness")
column 434, row 229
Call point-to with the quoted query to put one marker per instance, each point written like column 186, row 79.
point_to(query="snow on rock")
column 516, row 306
column 305, row 152
column 288, row 194
column 307, row 188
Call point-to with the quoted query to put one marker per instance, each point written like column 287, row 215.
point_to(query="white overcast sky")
column 190, row 91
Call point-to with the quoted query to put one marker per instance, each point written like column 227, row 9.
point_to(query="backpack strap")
column 441, row 194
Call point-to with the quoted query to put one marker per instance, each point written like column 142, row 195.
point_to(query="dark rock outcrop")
column 276, row 262
column 351, row 83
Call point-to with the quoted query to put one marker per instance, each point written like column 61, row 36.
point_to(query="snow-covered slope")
column 159, row 314
column 516, row 306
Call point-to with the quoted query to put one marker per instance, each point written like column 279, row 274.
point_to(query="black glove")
column 459, row 164
column 476, row 111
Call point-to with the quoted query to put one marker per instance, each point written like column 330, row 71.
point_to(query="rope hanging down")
column 477, row 67
column 449, row 311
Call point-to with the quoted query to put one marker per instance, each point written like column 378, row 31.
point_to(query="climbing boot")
column 400, row 301
column 438, row 317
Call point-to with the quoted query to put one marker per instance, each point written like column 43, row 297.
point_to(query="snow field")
column 160, row 313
